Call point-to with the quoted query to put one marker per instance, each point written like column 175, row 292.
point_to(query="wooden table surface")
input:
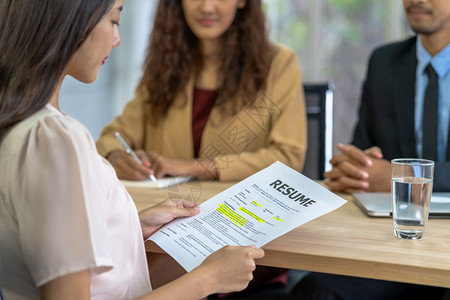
column 345, row 241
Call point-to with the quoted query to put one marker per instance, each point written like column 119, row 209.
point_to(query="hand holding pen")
column 130, row 151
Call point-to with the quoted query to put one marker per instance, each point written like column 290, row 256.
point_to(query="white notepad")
column 160, row 184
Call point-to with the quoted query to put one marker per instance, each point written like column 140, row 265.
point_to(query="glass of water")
column 412, row 184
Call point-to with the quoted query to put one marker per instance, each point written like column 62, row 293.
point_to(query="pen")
column 132, row 153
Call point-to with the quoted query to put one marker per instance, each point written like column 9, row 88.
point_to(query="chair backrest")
column 319, row 110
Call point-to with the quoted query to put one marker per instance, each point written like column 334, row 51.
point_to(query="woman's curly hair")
column 174, row 54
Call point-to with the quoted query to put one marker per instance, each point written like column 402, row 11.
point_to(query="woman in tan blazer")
column 217, row 100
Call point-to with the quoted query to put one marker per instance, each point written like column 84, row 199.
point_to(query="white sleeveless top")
column 63, row 210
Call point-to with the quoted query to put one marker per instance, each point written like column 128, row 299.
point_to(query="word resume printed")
column 254, row 211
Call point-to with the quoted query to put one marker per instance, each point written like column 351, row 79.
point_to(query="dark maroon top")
column 201, row 108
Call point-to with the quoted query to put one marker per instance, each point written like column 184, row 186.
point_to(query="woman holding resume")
column 217, row 100
column 68, row 228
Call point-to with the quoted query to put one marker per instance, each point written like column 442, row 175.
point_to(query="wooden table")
column 345, row 242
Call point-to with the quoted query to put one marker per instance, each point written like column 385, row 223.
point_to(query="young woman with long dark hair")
column 68, row 227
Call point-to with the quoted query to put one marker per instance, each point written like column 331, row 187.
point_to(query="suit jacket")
column 386, row 114
column 271, row 128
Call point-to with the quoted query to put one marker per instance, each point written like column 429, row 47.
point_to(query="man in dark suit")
column 390, row 121
column 392, row 124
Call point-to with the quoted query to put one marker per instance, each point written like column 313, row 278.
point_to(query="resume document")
column 254, row 211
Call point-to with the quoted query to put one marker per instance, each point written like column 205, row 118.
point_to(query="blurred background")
column 332, row 38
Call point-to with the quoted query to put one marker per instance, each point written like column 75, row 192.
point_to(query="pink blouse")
column 63, row 210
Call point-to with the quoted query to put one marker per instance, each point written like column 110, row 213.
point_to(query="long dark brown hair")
column 37, row 39
column 174, row 53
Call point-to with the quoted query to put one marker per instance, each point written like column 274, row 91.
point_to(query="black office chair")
column 319, row 110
